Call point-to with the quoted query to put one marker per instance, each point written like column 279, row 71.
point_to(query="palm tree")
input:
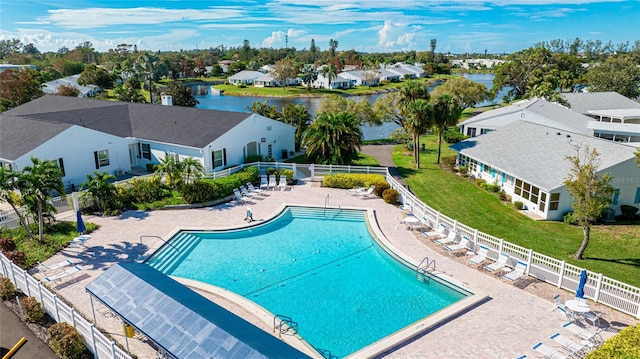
column 333, row 138
column 192, row 168
column 447, row 110
column 330, row 72
column 101, row 187
column 171, row 169
column 296, row 115
column 36, row 182
column 419, row 118
column 148, row 66
column 309, row 74
column 8, row 185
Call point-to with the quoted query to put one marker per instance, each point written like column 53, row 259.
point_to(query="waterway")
column 243, row 103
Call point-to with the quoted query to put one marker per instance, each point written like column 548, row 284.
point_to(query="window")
column 518, row 189
column 471, row 131
column 637, row 200
column 270, row 151
column 485, row 130
column 61, row 165
column 543, row 201
column 554, row 200
column 145, row 151
column 616, row 196
column 102, row 158
column 219, row 158
column 252, row 149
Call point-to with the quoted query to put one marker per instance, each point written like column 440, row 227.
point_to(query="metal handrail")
column 162, row 239
column 284, row 320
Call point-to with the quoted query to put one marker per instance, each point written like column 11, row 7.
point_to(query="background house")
column 529, row 162
column 245, row 77
column 51, row 87
column 89, row 135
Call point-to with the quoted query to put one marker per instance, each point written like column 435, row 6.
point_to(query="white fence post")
column 313, row 172
column 596, row 295
column 500, row 246
column 26, row 282
column 55, row 307
column 561, row 274
column 530, row 256
column 93, row 338
column 475, row 240
column 455, row 225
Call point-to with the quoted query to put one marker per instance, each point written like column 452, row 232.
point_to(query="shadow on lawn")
column 626, row 261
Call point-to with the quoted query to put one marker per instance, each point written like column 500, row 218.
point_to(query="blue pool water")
column 320, row 267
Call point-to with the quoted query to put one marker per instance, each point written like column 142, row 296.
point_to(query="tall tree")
column 296, row 115
column 329, row 72
column 180, row 95
column 591, row 193
column 285, row 70
column 419, row 117
column 360, row 109
column 313, row 50
column 333, row 45
column 96, row 76
column 192, row 169
column 18, row 87
column 9, row 183
column 264, row 109
column 432, row 49
column 130, row 91
column 148, row 66
column 36, row 184
column 619, row 74
column 100, row 186
column 309, row 74
column 333, row 138
column 68, row 90
column 172, row 171
column 446, row 111
column 467, row 92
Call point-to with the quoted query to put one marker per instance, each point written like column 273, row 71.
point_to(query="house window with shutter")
column 61, row 165
column 101, row 158
column 145, row 151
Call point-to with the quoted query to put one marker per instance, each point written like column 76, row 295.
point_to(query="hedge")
column 624, row 345
column 210, row 189
column 348, row 181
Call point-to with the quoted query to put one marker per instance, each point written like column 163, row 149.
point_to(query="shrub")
column 480, row 182
column 628, row 212
column 271, row 171
column 449, row 161
column 288, row 174
column 253, row 158
column 463, row 170
column 198, row 192
column 32, row 309
column 390, row 195
column 453, row 136
column 210, row 189
column 17, row 257
column 569, row 218
column 519, row 205
column 151, row 167
column 379, row 189
column 503, row 196
column 65, row 341
column 625, row 344
column 143, row 190
column 348, row 180
column 7, row 244
column 492, row 187
column 7, row 289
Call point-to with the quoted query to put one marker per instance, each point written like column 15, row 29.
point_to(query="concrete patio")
column 506, row 326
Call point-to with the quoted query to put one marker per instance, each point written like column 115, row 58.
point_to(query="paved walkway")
column 506, row 326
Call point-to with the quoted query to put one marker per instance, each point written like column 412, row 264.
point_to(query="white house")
column 386, row 75
column 362, row 77
column 535, row 110
column 528, row 161
column 337, row 82
column 51, row 87
column 245, row 77
column 85, row 135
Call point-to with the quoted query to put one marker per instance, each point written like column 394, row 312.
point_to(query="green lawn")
column 613, row 250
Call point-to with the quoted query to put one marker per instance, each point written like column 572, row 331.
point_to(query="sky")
column 502, row 26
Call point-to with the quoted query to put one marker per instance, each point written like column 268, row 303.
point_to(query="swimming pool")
column 320, row 267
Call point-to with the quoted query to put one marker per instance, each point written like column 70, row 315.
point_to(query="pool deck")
column 506, row 326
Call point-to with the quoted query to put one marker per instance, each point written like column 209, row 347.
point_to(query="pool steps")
column 166, row 259
column 329, row 213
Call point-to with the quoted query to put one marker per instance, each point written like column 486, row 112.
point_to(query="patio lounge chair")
column 450, row 238
column 282, row 183
column 253, row 189
column 593, row 317
column 517, row 273
column 438, row 233
column 582, row 333
column 464, row 242
column 62, row 275
column 246, row 193
column 548, row 352
column 480, row 257
column 238, row 196
column 55, row 266
column 264, row 183
column 272, row 182
column 363, row 194
column 568, row 313
column 503, row 258
column 568, row 344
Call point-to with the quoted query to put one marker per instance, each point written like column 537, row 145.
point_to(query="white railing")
column 95, row 341
column 601, row 289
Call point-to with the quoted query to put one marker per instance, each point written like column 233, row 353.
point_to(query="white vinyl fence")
column 98, row 344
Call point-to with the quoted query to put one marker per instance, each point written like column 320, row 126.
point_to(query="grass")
column 613, row 248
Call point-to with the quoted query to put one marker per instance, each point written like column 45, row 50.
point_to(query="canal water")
column 243, row 103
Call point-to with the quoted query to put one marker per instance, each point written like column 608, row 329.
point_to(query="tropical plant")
column 446, row 111
column 130, row 91
column 193, row 169
column 8, row 186
column 36, row 184
column 171, row 169
column 298, row 116
column 309, row 74
column 264, row 109
column 180, row 95
column 591, row 193
column 418, row 118
column 330, row 72
column 100, row 186
column 333, row 138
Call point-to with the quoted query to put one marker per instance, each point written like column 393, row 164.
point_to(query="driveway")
column 12, row 329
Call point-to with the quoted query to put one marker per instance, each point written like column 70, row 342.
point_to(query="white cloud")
column 278, row 37
column 396, row 36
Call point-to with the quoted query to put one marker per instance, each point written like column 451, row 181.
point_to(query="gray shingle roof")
column 537, row 153
column 583, row 102
column 534, row 110
column 170, row 124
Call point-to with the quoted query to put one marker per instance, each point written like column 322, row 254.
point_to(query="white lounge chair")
column 480, row 257
column 503, row 258
column 238, row 196
column 582, row 333
column 568, row 344
column 450, row 238
column 264, row 183
column 272, row 182
column 55, row 266
column 62, row 275
column 363, row 194
column 282, row 183
column 357, row 189
column 246, row 192
column 253, row 189
column 593, row 317
column 548, row 352
column 464, row 242
column 517, row 273
column 438, row 233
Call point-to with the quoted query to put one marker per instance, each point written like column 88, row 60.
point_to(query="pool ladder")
column 285, row 324
column 422, row 270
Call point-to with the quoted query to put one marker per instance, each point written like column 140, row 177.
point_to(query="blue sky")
column 363, row 25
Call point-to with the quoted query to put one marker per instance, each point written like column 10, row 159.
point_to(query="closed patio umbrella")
column 79, row 222
column 581, row 284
